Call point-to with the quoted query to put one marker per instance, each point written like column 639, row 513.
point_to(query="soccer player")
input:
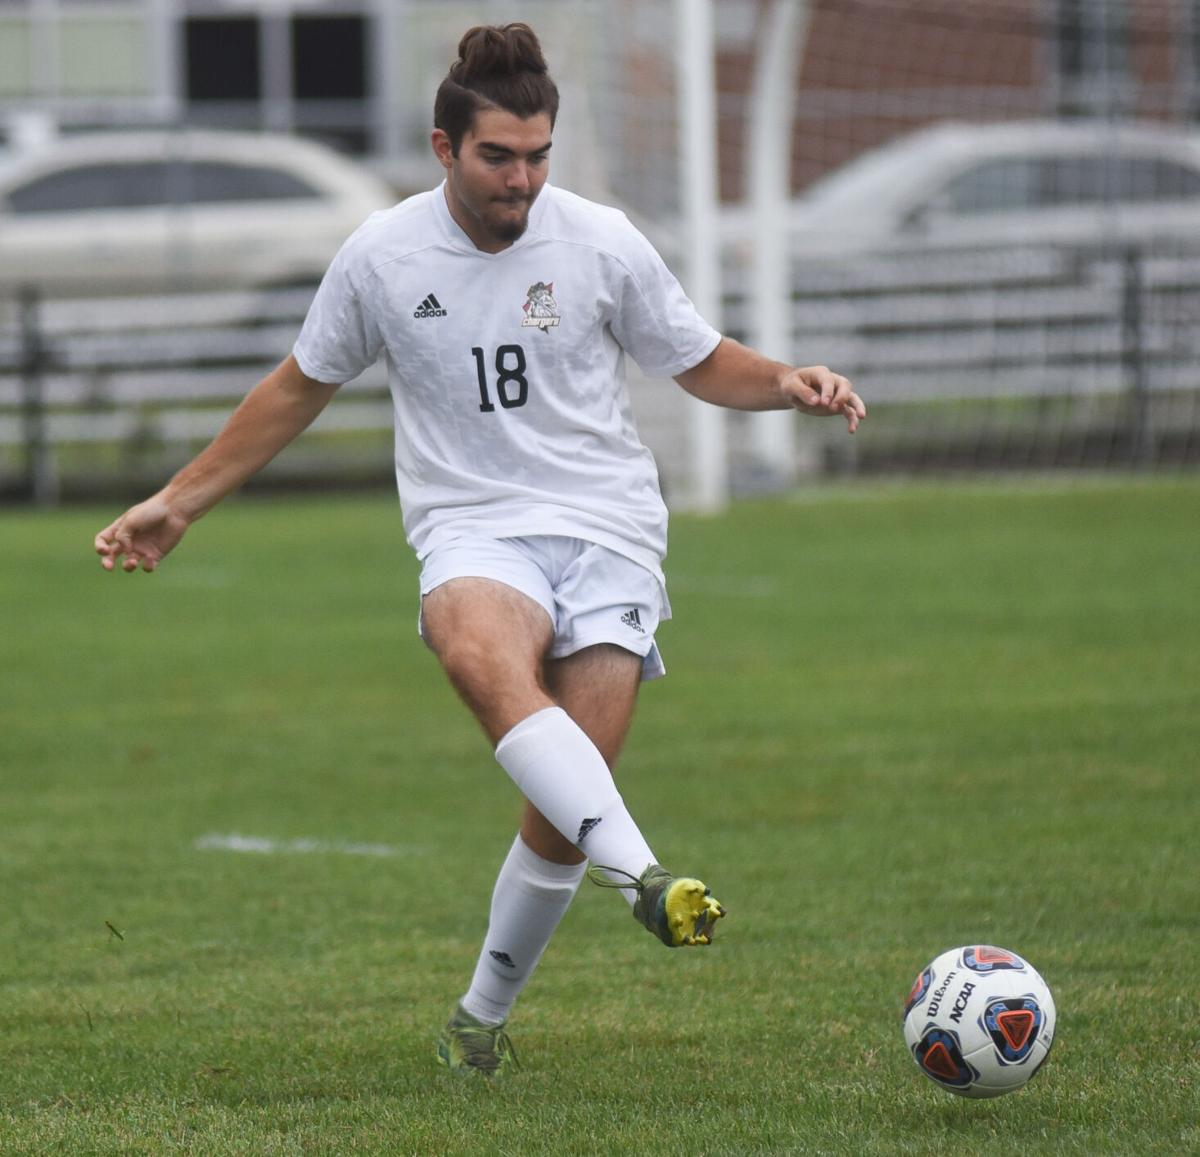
column 505, row 307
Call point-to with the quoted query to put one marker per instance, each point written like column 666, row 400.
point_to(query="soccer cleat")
column 466, row 1045
column 679, row 910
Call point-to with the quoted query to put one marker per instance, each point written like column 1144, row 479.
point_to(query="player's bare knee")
column 472, row 663
column 500, row 688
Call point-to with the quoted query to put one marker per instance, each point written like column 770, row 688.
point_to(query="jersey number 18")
column 512, row 387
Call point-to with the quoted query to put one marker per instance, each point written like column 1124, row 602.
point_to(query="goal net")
column 982, row 211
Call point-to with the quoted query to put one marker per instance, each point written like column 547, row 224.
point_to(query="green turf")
column 898, row 719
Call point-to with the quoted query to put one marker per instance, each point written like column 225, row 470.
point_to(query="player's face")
column 500, row 169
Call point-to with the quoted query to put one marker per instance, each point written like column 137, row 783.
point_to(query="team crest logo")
column 540, row 308
column 940, row 1055
column 920, row 987
column 1014, row 1024
column 985, row 958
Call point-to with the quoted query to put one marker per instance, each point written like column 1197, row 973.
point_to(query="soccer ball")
column 979, row 1021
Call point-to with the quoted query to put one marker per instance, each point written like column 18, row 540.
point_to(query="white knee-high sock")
column 561, row 772
column 531, row 896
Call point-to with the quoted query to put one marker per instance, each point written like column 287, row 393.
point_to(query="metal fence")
column 1015, row 358
column 111, row 395
column 1025, row 358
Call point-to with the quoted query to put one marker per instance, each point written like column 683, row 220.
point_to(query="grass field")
column 899, row 718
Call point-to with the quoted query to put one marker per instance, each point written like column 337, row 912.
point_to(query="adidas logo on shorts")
column 634, row 620
column 430, row 307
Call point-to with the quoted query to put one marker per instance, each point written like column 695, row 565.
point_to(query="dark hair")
column 497, row 67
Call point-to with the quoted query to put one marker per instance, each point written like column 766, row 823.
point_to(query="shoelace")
column 596, row 873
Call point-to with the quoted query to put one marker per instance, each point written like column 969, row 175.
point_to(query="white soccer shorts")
column 592, row 594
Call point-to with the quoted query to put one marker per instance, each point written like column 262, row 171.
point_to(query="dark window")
column 1075, row 181
column 1047, row 182
column 213, row 181
column 100, row 186
column 1093, row 54
column 1096, row 180
column 1072, row 29
column 992, row 187
column 1172, row 182
column 1193, row 10
column 222, row 59
column 329, row 58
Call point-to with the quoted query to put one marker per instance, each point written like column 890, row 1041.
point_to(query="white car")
column 982, row 260
column 148, row 212
column 1038, row 182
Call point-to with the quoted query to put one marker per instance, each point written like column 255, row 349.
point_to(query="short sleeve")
column 654, row 321
column 340, row 338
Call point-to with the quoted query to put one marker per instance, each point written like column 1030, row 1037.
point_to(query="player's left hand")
column 818, row 390
column 142, row 536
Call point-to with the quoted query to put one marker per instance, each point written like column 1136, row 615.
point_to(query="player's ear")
column 442, row 148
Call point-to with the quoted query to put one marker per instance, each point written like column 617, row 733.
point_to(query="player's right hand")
column 818, row 390
column 142, row 536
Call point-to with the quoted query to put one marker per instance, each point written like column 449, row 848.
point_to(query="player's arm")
column 740, row 378
column 279, row 408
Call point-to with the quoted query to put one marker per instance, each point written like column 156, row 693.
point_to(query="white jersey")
column 506, row 369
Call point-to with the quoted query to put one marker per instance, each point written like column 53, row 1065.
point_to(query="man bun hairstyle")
column 498, row 66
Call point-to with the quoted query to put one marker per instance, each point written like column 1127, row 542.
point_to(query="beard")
column 487, row 218
column 510, row 232
column 510, row 229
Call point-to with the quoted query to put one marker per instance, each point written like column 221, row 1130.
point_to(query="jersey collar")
column 453, row 232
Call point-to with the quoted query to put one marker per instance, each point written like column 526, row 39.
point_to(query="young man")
column 504, row 307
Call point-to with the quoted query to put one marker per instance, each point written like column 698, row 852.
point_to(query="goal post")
column 785, row 452
column 701, row 266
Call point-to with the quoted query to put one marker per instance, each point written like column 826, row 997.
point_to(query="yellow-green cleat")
column 679, row 910
column 468, row 1046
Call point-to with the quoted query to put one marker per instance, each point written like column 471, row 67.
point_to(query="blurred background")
column 986, row 212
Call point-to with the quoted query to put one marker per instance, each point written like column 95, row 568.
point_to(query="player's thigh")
column 598, row 688
column 491, row 641
column 486, row 600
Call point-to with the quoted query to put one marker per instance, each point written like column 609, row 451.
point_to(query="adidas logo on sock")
column 634, row 620
column 586, row 827
column 502, row 958
column 430, row 307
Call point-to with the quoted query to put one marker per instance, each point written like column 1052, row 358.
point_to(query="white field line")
column 264, row 846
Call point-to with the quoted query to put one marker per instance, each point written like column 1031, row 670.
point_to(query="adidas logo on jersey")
column 430, row 307
column 634, row 620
